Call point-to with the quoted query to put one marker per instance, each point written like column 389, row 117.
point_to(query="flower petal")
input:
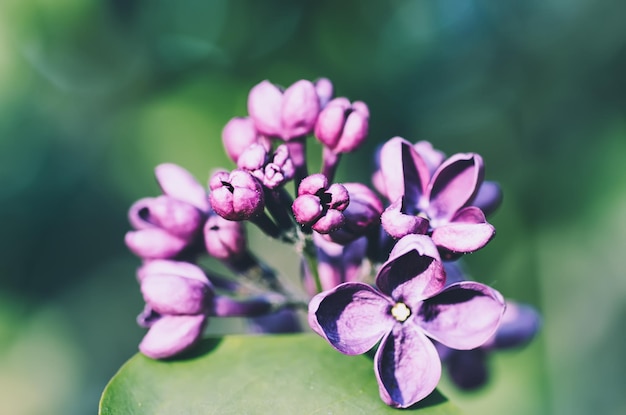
column 488, row 198
column 172, row 294
column 519, row 325
column 407, row 366
column 454, row 183
column 178, row 183
column 154, row 243
column 171, row 335
column 299, row 110
column 463, row 316
column 404, row 172
column 264, row 107
column 352, row 317
column 468, row 232
column 179, row 268
column 413, row 271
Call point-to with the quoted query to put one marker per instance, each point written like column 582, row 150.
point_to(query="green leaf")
column 280, row 374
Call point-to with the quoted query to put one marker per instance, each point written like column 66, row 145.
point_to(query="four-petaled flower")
column 409, row 305
column 440, row 203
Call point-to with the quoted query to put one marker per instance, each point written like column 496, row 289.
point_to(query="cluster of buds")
column 378, row 267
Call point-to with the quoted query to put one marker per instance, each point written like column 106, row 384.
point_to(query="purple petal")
column 404, row 171
column 330, row 122
column 307, row 209
column 154, row 243
column 468, row 232
column 170, row 294
column 239, row 134
column 339, row 196
column 264, row 107
column 166, row 267
column 413, row 271
column 488, row 198
column 468, row 368
column 352, row 317
column 431, row 156
column 407, row 366
column 463, row 316
column 224, row 239
column 454, row 184
column 519, row 325
column 178, row 183
column 300, row 108
column 398, row 224
column 331, row 221
column 324, row 89
column 171, row 335
column 253, row 158
column 175, row 216
column 312, row 184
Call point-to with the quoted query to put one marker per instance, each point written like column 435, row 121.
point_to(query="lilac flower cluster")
column 378, row 266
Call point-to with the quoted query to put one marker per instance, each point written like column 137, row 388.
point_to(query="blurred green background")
column 94, row 94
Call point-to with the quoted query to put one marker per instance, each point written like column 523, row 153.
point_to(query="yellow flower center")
column 400, row 312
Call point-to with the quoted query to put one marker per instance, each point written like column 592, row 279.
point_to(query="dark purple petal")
column 352, row 317
column 171, row 335
column 398, row 224
column 154, row 243
column 468, row 232
column 431, row 156
column 463, row 316
column 453, row 185
column 264, row 106
column 488, row 198
column 178, row 183
column 519, row 325
column 407, row 366
column 413, row 271
column 299, row 111
column 404, row 172
column 468, row 368
column 170, row 294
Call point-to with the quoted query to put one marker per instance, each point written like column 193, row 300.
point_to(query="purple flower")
column 168, row 224
column 178, row 296
column 468, row 368
column 410, row 305
column 443, row 198
column 236, row 195
column 319, row 205
column 342, row 126
column 239, row 134
column 286, row 115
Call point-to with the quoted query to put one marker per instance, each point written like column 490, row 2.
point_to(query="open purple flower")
column 443, row 198
column 409, row 305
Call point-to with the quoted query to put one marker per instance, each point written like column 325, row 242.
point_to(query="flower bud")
column 236, row 195
column 342, row 126
column 325, row 91
column 239, row 134
column 224, row 239
column 171, row 335
column 287, row 114
column 154, row 243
